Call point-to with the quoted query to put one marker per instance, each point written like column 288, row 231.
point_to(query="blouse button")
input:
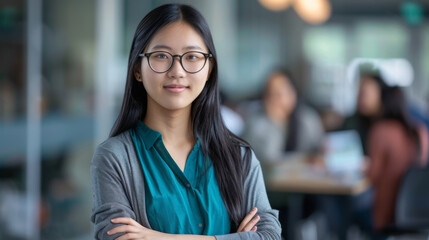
column 188, row 185
column 200, row 225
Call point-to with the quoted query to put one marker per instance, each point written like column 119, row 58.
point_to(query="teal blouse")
column 179, row 202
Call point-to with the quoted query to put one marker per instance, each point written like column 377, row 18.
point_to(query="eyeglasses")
column 161, row 61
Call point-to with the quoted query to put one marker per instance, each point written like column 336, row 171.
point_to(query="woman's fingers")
column 133, row 230
column 123, row 229
column 247, row 219
column 251, row 224
column 254, row 228
column 130, row 226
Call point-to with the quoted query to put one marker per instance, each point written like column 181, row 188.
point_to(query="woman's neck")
column 174, row 125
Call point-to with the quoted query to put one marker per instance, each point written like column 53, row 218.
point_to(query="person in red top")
column 395, row 143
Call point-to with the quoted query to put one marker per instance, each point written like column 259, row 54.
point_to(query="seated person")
column 284, row 124
column 280, row 126
column 369, row 106
column 392, row 141
column 395, row 143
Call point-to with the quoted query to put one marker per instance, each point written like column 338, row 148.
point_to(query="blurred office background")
column 62, row 74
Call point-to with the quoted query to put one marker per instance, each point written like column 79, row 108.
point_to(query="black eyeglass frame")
column 206, row 56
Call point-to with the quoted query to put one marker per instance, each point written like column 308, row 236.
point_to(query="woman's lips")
column 175, row 88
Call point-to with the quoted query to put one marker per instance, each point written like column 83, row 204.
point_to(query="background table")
column 290, row 180
column 297, row 174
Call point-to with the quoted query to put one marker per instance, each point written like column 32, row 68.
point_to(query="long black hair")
column 395, row 108
column 294, row 121
column 364, row 122
column 217, row 142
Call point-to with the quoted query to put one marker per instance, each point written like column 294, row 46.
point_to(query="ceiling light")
column 275, row 5
column 313, row 11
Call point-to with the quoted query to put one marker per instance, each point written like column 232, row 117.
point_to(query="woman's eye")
column 161, row 56
column 193, row 57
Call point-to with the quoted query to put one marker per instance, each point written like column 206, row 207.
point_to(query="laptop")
column 343, row 152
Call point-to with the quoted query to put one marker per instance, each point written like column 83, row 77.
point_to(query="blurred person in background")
column 284, row 124
column 395, row 142
column 392, row 141
column 368, row 112
column 171, row 167
column 282, row 127
column 369, row 106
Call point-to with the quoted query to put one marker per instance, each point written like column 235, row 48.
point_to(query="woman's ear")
column 211, row 65
column 137, row 73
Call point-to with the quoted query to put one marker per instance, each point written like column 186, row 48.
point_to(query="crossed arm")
column 119, row 213
column 133, row 230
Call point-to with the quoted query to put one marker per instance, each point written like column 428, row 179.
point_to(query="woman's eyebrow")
column 192, row 48
column 162, row 47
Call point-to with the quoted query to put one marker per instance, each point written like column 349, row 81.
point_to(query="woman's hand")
column 249, row 222
column 133, row 230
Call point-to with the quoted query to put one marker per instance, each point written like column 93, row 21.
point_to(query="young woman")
column 395, row 143
column 284, row 124
column 171, row 169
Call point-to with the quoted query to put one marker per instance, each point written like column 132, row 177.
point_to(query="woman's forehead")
column 177, row 37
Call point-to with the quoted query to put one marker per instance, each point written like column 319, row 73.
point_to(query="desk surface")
column 299, row 176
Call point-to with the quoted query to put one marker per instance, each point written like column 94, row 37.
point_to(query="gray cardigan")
column 118, row 191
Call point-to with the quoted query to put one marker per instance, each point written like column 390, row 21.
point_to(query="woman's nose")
column 176, row 70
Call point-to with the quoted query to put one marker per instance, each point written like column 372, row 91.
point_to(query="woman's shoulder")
column 386, row 126
column 307, row 113
column 389, row 131
column 310, row 121
column 260, row 123
column 258, row 116
column 114, row 148
column 116, row 143
column 253, row 160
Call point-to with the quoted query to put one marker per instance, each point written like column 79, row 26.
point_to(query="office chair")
column 412, row 206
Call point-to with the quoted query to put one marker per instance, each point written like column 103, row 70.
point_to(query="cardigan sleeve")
column 255, row 195
column 109, row 195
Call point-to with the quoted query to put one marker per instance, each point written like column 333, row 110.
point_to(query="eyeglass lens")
column 191, row 61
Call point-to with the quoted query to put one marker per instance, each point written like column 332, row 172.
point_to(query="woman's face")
column 175, row 89
column 280, row 96
column 369, row 97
